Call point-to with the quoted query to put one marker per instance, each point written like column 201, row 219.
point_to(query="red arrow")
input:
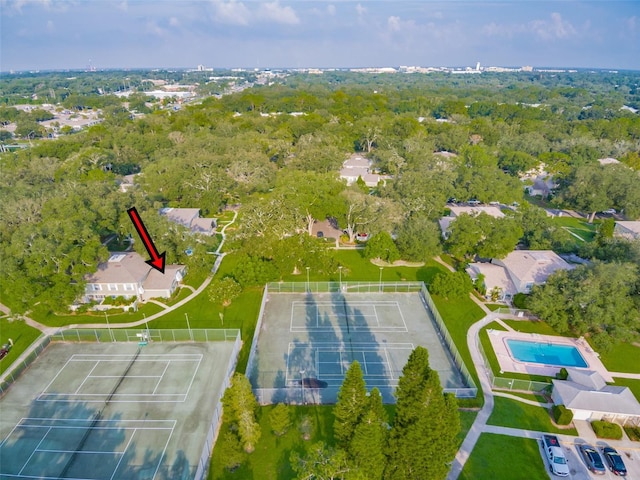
column 157, row 260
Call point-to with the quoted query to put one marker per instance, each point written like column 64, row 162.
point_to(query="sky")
column 76, row 34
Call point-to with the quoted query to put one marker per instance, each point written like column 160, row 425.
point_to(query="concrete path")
column 523, row 400
column 481, row 420
column 635, row 376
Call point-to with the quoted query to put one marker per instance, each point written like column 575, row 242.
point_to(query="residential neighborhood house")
column 628, row 230
column 126, row 274
column 588, row 396
column 457, row 210
column 190, row 218
column 357, row 166
column 518, row 272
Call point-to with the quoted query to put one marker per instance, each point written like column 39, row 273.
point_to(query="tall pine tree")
column 369, row 442
column 240, row 407
column 422, row 440
column 351, row 405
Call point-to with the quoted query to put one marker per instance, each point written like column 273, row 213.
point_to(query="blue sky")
column 57, row 34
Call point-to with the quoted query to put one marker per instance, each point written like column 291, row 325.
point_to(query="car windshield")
column 559, row 460
column 616, row 460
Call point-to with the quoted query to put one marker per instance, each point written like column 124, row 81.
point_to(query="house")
column 126, row 274
column 190, row 218
column 588, row 396
column 628, row 230
column 357, row 166
column 542, row 186
column 456, row 211
column 521, row 270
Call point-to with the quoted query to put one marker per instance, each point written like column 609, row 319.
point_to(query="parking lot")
column 579, row 471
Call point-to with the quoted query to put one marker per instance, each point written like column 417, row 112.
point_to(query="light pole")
column 302, row 384
column 340, row 270
column 380, row 281
column 108, row 326
column 188, row 326
column 308, row 289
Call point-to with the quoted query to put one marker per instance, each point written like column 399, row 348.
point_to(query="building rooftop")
column 534, row 265
column 495, row 212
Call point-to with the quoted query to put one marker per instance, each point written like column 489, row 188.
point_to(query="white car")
column 610, row 211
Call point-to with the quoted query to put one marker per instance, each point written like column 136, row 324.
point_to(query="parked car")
column 614, row 461
column 555, row 456
column 474, row 203
column 592, row 459
column 610, row 211
column 320, row 234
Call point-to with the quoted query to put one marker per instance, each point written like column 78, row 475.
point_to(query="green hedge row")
column 607, row 429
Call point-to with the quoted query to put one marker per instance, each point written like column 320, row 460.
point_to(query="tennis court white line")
column 34, row 451
column 161, row 377
column 386, row 354
column 125, row 450
column 88, row 375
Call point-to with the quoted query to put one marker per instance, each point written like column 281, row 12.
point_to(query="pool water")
column 546, row 353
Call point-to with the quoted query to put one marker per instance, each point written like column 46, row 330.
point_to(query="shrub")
column 562, row 374
column 562, row 415
column 607, row 429
column 280, row 419
column 633, row 433
column 451, row 285
column 520, row 300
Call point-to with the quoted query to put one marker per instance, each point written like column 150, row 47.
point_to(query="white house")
column 628, row 230
column 358, row 166
column 518, row 272
column 126, row 274
column 190, row 218
column 456, row 211
column 588, row 396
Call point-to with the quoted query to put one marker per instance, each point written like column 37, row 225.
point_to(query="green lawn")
column 622, row 357
column 504, row 458
column 632, row 383
column 467, row 417
column 534, row 326
column 55, row 320
column 536, row 397
column 181, row 294
column 22, row 335
column 515, row 414
column 270, row 460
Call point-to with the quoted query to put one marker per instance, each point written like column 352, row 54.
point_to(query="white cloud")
column 50, row 26
column 360, row 10
column 394, row 23
column 232, row 12
column 632, row 23
column 174, row 22
column 548, row 29
column 153, row 28
column 275, row 12
column 555, row 28
column 331, row 9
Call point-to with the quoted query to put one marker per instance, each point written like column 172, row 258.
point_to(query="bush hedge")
column 607, row 430
column 633, row 433
column 562, row 415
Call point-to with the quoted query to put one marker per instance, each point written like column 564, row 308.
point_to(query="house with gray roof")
column 358, row 166
column 588, row 396
column 126, row 274
column 518, row 272
column 628, row 230
column 190, row 218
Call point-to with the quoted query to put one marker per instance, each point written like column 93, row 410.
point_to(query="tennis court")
column 307, row 341
column 103, row 411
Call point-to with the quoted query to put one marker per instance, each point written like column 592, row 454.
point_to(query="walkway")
column 585, row 433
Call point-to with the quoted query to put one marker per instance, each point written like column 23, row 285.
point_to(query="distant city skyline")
column 76, row 34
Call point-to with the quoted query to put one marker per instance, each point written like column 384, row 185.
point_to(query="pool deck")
column 507, row 363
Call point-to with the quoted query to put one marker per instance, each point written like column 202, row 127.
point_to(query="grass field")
column 505, row 458
column 22, row 335
column 515, row 414
column 55, row 320
column 633, row 384
column 622, row 357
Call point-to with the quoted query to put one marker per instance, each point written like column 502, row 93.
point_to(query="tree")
column 366, row 213
column 418, row 238
column 422, row 441
column 320, row 463
column 451, row 285
column 369, row 442
column 483, row 235
column 280, row 419
column 600, row 300
column 224, row 291
column 240, row 407
column 350, row 406
column 382, row 246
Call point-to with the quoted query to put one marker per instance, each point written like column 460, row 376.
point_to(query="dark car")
column 592, row 459
column 320, row 234
column 614, row 461
column 314, row 383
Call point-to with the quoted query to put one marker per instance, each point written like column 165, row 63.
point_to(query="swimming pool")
column 546, row 353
